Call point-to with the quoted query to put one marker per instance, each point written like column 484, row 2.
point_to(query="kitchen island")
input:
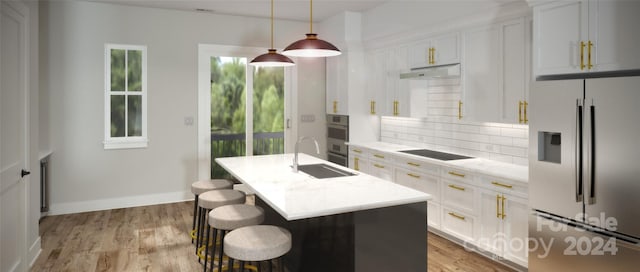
column 352, row 223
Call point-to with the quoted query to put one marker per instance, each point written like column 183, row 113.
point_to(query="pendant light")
column 311, row 46
column 272, row 58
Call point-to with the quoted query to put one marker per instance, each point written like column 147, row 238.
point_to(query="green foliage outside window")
column 228, row 103
column 125, row 105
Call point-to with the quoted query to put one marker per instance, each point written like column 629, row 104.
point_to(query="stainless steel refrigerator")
column 584, row 175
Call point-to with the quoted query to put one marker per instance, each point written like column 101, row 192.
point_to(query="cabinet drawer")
column 381, row 170
column 419, row 181
column 456, row 174
column 458, row 224
column 458, row 195
column 358, row 151
column 504, row 186
column 380, row 156
column 417, row 165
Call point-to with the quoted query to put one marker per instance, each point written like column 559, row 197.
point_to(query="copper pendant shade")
column 272, row 58
column 311, row 46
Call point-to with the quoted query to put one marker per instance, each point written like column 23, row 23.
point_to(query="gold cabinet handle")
column 335, row 106
column 357, row 150
column 433, row 55
column 589, row 66
column 373, row 107
column 520, row 120
column 526, row 119
column 459, row 109
column 378, row 156
column 582, row 44
column 379, row 166
column 395, row 108
column 457, row 187
column 413, row 164
column 356, row 164
column 413, row 175
column 502, row 185
column 430, row 56
column 498, row 206
column 456, row 174
column 457, row 216
column 503, row 215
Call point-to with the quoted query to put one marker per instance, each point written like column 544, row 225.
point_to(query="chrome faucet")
column 295, row 155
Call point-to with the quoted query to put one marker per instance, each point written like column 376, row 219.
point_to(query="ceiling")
column 297, row 10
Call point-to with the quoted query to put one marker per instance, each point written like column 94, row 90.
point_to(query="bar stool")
column 211, row 200
column 199, row 187
column 257, row 244
column 227, row 218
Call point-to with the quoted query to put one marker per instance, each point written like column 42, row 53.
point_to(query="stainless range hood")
column 441, row 71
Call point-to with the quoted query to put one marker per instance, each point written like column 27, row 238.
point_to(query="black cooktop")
column 435, row 154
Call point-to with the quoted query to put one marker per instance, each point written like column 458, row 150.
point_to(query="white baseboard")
column 34, row 251
column 117, row 203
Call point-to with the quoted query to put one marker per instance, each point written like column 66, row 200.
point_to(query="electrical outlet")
column 188, row 121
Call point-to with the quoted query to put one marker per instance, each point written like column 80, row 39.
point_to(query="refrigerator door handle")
column 579, row 150
column 592, row 160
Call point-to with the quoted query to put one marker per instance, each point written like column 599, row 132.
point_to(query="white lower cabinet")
column 503, row 226
column 484, row 211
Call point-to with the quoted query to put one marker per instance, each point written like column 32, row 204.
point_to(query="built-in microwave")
column 337, row 137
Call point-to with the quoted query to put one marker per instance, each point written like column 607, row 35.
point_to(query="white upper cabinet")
column 516, row 71
column 495, row 72
column 397, row 93
column 613, row 30
column 481, row 66
column 440, row 50
column 585, row 36
column 375, row 67
column 337, row 84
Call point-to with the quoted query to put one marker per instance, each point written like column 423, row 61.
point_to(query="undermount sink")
column 322, row 171
column 435, row 154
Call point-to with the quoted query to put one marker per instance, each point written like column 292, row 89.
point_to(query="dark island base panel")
column 385, row 239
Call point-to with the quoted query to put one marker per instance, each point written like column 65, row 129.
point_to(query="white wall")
column 311, row 101
column 84, row 176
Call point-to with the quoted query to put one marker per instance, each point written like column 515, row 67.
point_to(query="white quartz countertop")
column 479, row 165
column 298, row 195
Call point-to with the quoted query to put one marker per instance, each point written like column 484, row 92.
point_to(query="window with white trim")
column 125, row 96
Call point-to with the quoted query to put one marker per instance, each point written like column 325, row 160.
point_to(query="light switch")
column 307, row 118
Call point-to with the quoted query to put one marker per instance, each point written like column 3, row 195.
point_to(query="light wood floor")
column 155, row 238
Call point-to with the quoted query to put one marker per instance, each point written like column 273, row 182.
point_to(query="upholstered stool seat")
column 200, row 187
column 257, row 243
column 213, row 199
column 226, row 218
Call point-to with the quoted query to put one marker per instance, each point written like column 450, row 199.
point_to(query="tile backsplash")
column 496, row 141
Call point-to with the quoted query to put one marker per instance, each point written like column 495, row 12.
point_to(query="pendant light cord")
column 272, row 24
column 311, row 16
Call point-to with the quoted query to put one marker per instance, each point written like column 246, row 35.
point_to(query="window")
column 125, row 96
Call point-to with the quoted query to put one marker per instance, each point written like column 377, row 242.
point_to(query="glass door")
column 239, row 104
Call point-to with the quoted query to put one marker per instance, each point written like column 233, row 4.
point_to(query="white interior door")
column 13, row 135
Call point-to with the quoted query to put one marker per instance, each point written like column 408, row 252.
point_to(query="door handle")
column 592, row 161
column 24, row 173
column 578, row 147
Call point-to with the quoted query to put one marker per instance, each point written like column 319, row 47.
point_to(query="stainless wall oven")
column 337, row 136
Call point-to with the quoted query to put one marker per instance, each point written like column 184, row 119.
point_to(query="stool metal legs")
column 195, row 214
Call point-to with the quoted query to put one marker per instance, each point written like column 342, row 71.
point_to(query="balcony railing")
column 231, row 145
